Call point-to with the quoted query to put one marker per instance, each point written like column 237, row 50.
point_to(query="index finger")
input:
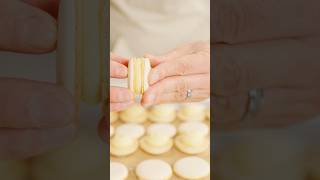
column 190, row 64
column 119, row 59
column 235, row 21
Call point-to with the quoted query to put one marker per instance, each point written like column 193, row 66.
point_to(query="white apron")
column 156, row 26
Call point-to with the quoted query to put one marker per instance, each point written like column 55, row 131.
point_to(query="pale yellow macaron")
column 133, row 130
column 118, row 171
column 193, row 138
column 122, row 145
column 192, row 143
column 192, row 168
column 138, row 73
column 154, row 169
column 162, row 113
column 114, row 116
column 156, row 143
column 194, row 127
column 134, row 114
column 158, row 139
column 192, row 112
column 166, row 129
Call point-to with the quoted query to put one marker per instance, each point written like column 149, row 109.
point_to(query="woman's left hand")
column 173, row 74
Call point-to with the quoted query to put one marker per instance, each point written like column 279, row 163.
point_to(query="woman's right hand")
column 120, row 98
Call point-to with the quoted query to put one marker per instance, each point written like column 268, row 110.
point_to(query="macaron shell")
column 132, row 130
column 154, row 170
column 134, row 114
column 194, row 127
column 165, row 129
column 164, row 118
column 113, row 117
column 124, row 151
column 192, row 168
column 187, row 149
column 138, row 74
column 192, row 112
column 155, row 150
column 118, row 171
column 194, row 117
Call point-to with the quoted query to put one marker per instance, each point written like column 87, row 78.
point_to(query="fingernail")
column 37, row 33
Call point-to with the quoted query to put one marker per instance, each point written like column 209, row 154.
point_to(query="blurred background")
column 84, row 158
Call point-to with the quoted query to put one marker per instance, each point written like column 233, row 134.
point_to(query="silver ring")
column 255, row 98
column 189, row 93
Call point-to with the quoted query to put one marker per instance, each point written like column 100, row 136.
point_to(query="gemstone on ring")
column 189, row 93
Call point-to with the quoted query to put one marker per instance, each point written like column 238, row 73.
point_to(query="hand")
column 278, row 52
column 120, row 98
column 35, row 117
column 186, row 67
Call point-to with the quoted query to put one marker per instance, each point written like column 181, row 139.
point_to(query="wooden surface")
column 171, row 157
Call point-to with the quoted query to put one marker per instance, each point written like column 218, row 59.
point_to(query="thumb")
column 118, row 70
column 26, row 28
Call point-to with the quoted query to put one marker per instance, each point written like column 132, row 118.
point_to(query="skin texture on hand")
column 278, row 52
column 186, row 67
column 35, row 117
column 120, row 98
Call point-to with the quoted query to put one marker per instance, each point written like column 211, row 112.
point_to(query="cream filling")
column 140, row 68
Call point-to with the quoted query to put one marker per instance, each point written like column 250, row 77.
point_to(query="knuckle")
column 161, row 72
column 183, row 67
column 181, row 89
column 200, row 46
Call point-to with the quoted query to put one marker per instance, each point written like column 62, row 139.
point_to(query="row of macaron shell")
column 189, row 129
column 191, row 167
column 162, row 113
